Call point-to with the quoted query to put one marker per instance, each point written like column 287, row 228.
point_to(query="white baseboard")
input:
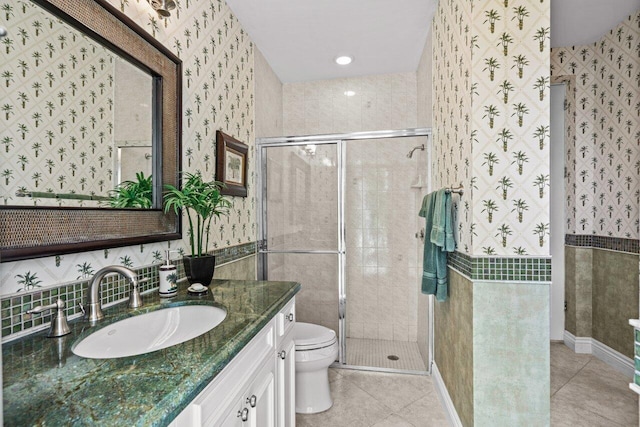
column 445, row 399
column 578, row 344
column 611, row 357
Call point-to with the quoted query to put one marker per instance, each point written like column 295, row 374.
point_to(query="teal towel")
column 449, row 241
column 439, row 214
column 434, row 267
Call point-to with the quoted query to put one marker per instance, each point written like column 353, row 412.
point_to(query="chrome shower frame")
column 340, row 140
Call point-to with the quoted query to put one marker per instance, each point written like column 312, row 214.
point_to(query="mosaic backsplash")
column 115, row 288
column 57, row 119
column 604, row 192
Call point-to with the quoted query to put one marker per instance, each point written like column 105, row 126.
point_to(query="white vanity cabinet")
column 256, row 389
column 256, row 406
column 286, row 366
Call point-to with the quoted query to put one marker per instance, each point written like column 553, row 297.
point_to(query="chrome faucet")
column 94, row 308
column 59, row 325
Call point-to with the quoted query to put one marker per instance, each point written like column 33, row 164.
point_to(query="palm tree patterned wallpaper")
column 218, row 93
column 56, row 109
column 492, row 122
column 603, row 159
column 451, row 130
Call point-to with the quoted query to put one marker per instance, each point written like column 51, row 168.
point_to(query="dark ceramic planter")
column 199, row 269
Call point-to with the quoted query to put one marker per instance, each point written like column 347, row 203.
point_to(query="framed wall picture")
column 231, row 164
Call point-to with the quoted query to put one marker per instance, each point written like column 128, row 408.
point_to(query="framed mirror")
column 91, row 103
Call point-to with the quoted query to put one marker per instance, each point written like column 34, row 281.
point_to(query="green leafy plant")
column 133, row 194
column 202, row 201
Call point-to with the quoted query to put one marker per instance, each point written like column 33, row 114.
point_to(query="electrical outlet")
column 565, row 306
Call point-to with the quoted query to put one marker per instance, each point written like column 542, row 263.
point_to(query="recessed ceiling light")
column 344, row 60
column 349, row 93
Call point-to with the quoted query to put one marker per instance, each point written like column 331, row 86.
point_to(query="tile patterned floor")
column 588, row 392
column 373, row 353
column 585, row 392
column 364, row 399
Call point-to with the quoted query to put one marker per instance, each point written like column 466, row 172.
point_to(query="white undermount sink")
column 150, row 331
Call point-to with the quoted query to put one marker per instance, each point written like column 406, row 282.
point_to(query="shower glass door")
column 300, row 233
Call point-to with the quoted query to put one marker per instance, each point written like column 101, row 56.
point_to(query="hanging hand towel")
column 436, row 209
column 431, row 251
column 439, row 214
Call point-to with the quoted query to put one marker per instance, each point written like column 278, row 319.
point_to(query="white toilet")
column 316, row 349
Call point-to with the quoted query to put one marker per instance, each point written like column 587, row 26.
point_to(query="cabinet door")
column 238, row 416
column 286, row 383
column 261, row 400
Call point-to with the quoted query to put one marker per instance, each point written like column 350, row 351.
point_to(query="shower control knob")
column 290, row 317
column 282, row 355
column 244, row 414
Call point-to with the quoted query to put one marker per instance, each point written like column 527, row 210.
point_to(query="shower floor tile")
column 375, row 354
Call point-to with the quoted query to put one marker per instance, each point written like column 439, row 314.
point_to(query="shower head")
column 419, row 147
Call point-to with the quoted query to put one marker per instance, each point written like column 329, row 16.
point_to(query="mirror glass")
column 77, row 118
column 86, row 106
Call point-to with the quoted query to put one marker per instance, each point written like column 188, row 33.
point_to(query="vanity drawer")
column 286, row 318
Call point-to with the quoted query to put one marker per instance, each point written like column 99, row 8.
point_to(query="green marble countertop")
column 44, row 383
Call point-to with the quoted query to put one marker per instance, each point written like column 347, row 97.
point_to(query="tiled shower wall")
column 381, row 220
column 381, row 213
column 380, row 102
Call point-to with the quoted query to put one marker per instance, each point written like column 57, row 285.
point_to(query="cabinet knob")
column 290, row 317
column 252, row 401
column 282, row 355
column 244, row 414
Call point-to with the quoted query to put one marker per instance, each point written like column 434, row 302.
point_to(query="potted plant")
column 201, row 201
column 132, row 194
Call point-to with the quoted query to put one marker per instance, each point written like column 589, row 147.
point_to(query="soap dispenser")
column 168, row 277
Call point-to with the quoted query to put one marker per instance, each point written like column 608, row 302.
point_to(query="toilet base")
column 312, row 392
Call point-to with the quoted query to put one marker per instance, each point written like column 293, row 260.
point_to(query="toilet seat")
column 312, row 337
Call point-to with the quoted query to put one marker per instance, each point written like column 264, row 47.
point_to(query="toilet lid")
column 308, row 336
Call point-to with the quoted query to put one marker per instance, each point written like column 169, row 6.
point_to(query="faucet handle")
column 135, row 299
column 59, row 325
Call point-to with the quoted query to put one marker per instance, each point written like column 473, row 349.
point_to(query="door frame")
column 557, row 211
column 340, row 139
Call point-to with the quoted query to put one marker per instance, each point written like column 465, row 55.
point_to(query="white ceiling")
column 581, row 22
column 301, row 38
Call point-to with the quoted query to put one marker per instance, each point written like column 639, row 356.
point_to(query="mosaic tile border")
column 603, row 242
column 524, row 269
column 115, row 288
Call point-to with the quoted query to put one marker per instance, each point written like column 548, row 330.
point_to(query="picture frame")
column 231, row 164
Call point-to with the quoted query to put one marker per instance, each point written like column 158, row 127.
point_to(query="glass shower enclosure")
column 338, row 213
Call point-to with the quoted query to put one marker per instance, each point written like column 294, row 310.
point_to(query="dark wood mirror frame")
column 34, row 232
